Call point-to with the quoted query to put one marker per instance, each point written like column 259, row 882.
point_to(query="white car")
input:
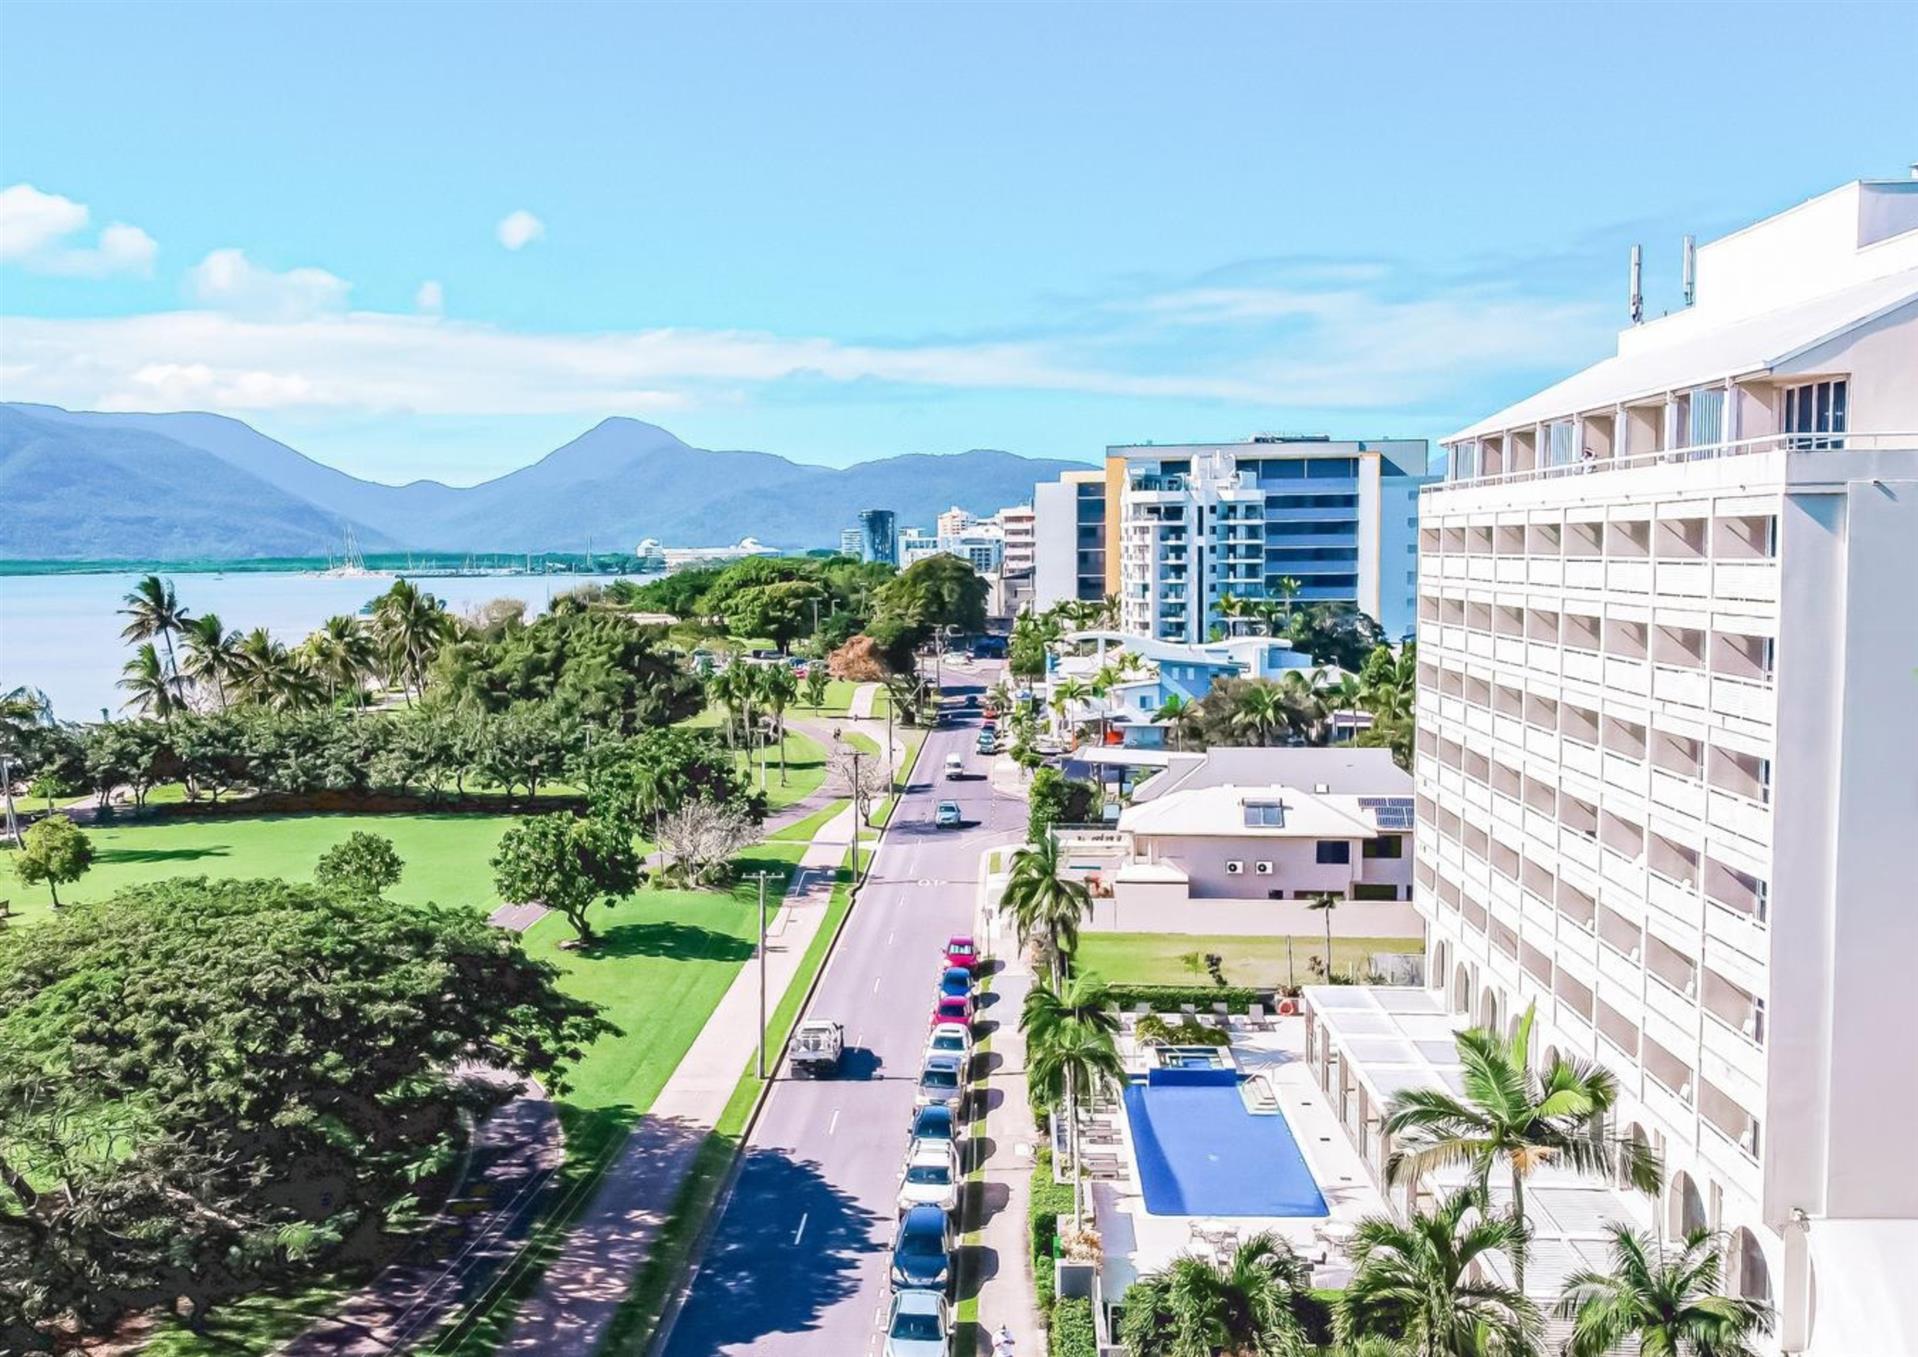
column 920, row 1325
column 932, row 1176
column 949, row 1038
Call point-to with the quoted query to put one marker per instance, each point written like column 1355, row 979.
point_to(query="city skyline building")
column 1666, row 742
column 878, row 536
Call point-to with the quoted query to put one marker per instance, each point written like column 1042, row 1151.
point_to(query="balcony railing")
column 1704, row 452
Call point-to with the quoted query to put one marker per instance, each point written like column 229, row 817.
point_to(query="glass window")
column 1264, row 815
column 1385, row 846
column 1558, row 443
column 1816, row 408
column 1334, row 851
column 1707, row 418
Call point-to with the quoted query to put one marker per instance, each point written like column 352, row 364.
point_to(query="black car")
column 922, row 1251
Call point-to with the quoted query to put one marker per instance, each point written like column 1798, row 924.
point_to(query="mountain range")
column 83, row 485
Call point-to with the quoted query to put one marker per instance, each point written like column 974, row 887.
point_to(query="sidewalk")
column 582, row 1289
column 1006, row 1290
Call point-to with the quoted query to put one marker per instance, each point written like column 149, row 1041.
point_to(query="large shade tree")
column 1513, row 1117
column 207, row 1088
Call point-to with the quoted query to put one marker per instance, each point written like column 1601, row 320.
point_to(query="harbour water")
column 61, row 633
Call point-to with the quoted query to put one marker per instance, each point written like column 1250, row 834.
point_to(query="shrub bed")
column 1167, row 998
column 1050, row 1200
column 1072, row 1333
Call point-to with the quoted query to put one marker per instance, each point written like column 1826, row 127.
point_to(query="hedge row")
column 1167, row 998
column 1050, row 1201
column 1072, row 1333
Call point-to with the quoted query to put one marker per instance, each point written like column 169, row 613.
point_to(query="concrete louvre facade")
column 1667, row 742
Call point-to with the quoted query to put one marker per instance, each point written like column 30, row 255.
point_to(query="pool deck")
column 1136, row 1241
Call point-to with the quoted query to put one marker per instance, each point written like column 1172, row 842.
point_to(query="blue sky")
column 845, row 232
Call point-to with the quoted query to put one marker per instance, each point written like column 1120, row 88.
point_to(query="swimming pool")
column 1201, row 1153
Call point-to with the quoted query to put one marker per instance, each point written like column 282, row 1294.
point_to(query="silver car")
column 920, row 1325
column 942, row 1083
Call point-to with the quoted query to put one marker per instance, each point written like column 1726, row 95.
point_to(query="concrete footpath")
column 581, row 1290
column 1006, row 1295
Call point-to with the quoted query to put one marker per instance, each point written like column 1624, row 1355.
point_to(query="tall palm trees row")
column 224, row 668
column 1299, row 704
column 1260, row 616
column 740, row 690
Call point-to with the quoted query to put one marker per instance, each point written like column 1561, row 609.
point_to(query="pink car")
column 961, row 952
column 952, row 1008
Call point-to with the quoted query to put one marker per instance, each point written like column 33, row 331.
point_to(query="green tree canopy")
column 203, row 1084
column 56, row 853
column 592, row 664
column 566, row 863
column 360, row 864
column 936, row 592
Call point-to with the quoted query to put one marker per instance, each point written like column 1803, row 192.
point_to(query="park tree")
column 527, row 746
column 700, row 839
column 1336, row 633
column 361, row 864
column 133, row 754
column 211, row 750
column 782, row 611
column 639, row 780
column 566, row 863
column 1055, row 798
column 860, row 660
column 56, row 854
column 936, row 593
column 208, row 1088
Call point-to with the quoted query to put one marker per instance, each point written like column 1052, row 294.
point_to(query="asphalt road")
column 797, row 1263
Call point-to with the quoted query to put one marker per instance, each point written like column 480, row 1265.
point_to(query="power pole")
column 858, row 811
column 760, row 876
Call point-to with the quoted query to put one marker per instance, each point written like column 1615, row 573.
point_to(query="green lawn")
column 838, row 698
column 1154, row 958
column 805, row 770
column 446, row 855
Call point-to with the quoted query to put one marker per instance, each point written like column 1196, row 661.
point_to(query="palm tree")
column 411, row 624
column 155, row 611
column 1287, row 588
column 1233, row 609
column 778, row 689
column 1194, row 1307
column 1420, row 1282
column 267, row 674
column 151, row 688
column 1044, row 905
column 1305, row 709
column 722, row 690
column 1065, row 692
column 1513, row 1115
column 21, row 710
column 1067, row 1056
column 342, row 654
column 1667, row 1299
column 1325, row 902
column 1084, row 999
column 1176, row 712
column 1261, row 711
column 212, row 654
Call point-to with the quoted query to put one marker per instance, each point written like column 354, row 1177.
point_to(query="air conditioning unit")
column 1264, row 869
column 1235, row 868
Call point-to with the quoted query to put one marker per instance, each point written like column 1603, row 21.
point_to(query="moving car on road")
column 947, row 816
column 988, row 743
column 942, row 1083
column 932, row 1176
column 955, row 768
column 922, row 1251
column 920, row 1325
column 817, row 1047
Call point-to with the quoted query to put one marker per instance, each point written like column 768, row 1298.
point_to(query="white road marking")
column 802, row 1228
column 875, row 984
column 833, row 1125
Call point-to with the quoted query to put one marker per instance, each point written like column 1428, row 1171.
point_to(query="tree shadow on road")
column 788, row 1249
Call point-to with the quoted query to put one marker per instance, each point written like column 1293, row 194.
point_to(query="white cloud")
column 519, row 229
column 35, row 228
column 227, row 280
column 431, row 298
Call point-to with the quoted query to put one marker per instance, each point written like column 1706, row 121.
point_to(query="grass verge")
column 1259, row 962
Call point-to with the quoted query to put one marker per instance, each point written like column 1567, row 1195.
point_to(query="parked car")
column 932, row 1176
column 947, row 815
column 817, row 1047
column 987, row 743
column 922, row 1251
column 950, row 1038
column 920, row 1325
column 952, row 1008
column 942, row 1083
column 935, row 1121
column 961, row 951
column 955, row 981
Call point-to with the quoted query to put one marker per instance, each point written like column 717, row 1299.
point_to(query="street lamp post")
column 760, row 876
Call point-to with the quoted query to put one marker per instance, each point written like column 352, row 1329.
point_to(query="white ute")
column 817, row 1046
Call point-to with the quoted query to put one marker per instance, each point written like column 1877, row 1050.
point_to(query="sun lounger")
column 1255, row 1018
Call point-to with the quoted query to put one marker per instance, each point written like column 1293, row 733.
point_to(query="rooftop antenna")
column 1638, row 283
column 1691, row 269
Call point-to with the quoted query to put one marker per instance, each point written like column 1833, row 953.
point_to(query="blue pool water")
column 1201, row 1153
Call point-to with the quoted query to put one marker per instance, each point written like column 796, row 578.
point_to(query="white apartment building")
column 1667, row 772
column 1329, row 520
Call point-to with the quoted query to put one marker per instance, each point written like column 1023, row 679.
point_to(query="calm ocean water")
column 61, row 633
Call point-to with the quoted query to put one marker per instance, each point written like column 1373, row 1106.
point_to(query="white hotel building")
column 1667, row 766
